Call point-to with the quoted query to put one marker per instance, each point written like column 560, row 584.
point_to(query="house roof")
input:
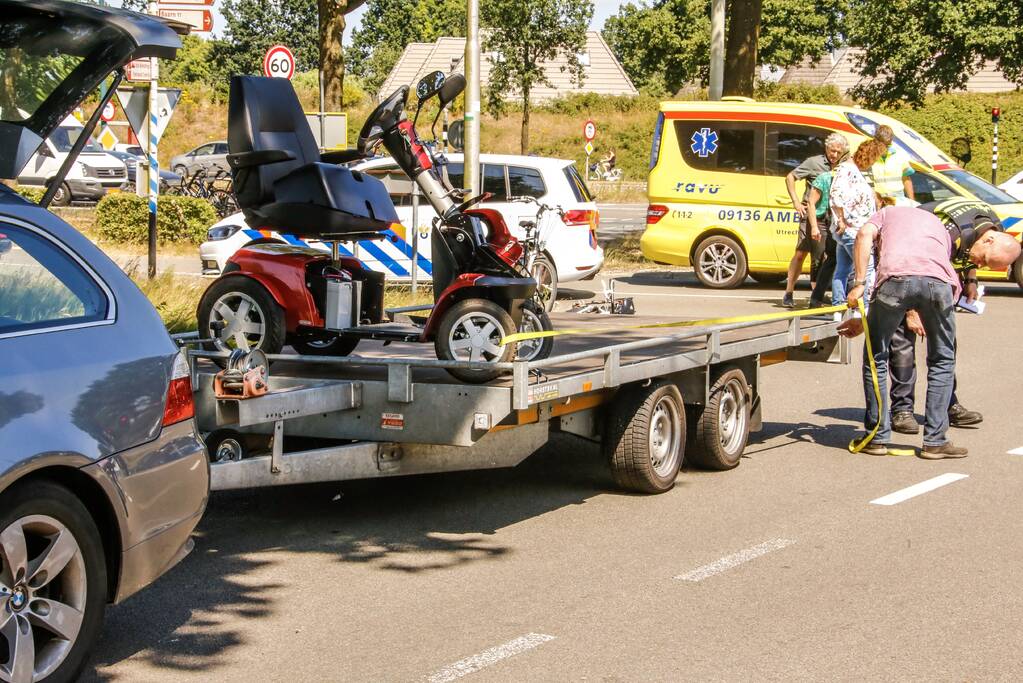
column 602, row 72
column 840, row 70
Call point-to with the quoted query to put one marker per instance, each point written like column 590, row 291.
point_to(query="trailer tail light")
column 655, row 212
column 179, row 394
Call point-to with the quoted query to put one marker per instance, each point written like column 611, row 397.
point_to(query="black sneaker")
column 903, row 422
column 787, row 301
column 958, row 416
column 946, row 450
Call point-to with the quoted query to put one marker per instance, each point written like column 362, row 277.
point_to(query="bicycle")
column 535, row 316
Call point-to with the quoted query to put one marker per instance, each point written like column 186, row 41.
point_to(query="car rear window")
column 42, row 286
column 525, row 182
column 578, row 185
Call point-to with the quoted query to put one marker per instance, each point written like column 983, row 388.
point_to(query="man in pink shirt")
column 915, row 281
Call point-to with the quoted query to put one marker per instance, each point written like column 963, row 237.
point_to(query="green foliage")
column 525, row 35
column 911, row 45
column 589, row 103
column 307, row 86
column 798, row 92
column 123, row 217
column 33, row 194
column 665, row 45
column 389, row 25
column 193, row 64
column 253, row 26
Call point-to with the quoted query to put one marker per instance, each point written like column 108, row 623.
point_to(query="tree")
column 525, row 34
column 331, row 56
column 669, row 42
column 911, row 45
column 389, row 25
column 253, row 26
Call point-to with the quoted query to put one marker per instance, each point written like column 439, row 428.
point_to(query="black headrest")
column 263, row 114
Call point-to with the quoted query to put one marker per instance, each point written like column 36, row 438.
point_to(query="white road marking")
column 1016, row 451
column 489, row 657
column 918, row 489
column 730, row 561
column 619, row 292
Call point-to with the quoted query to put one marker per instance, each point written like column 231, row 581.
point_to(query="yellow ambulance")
column 717, row 196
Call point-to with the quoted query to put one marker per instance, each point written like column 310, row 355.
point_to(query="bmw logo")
column 18, row 598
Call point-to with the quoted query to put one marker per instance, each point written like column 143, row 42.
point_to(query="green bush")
column 123, row 217
column 797, row 92
column 33, row 194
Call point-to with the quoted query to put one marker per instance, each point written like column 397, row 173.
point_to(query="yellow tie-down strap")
column 855, row 445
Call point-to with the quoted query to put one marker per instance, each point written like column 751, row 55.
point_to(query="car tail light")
column 179, row 394
column 581, row 217
column 654, row 213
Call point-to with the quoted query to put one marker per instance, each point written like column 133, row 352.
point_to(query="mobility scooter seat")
column 280, row 178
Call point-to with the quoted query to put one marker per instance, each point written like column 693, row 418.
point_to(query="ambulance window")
column 789, row 146
column 928, row 189
column 719, row 146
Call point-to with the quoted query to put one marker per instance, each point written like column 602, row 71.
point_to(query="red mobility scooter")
column 270, row 295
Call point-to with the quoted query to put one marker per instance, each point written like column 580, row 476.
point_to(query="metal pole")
column 323, row 116
column 151, row 153
column 994, row 157
column 415, row 237
column 472, row 100
column 717, row 49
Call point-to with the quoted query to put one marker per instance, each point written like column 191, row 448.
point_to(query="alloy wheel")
column 476, row 336
column 43, row 588
column 718, row 263
column 244, row 323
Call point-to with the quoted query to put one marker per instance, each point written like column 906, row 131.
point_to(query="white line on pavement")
column 489, row 657
column 619, row 292
column 1016, row 451
column 918, row 489
column 729, row 561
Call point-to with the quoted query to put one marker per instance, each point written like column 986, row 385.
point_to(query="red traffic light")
column 996, row 113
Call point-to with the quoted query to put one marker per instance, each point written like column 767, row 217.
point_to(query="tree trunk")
column 741, row 46
column 524, row 144
column 332, row 57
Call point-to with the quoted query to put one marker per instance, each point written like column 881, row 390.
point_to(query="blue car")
column 103, row 477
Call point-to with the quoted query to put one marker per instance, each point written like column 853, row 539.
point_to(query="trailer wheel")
column 471, row 331
column 226, row 445
column 645, row 437
column 720, row 431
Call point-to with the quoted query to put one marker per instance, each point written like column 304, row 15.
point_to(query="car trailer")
column 650, row 402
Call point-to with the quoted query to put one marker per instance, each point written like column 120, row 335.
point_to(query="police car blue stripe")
column 383, row 258
column 253, row 234
column 406, row 249
column 291, row 239
column 344, row 252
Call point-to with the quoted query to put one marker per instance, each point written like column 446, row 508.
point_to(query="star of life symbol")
column 705, row 142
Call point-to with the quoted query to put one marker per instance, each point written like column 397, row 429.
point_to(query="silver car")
column 210, row 157
column 103, row 477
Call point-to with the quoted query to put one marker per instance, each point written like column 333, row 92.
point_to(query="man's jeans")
column 932, row 299
column 902, row 368
column 844, row 267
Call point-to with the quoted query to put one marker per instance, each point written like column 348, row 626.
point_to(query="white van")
column 90, row 177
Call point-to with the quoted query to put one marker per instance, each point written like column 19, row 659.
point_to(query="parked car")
column 1014, row 186
column 103, row 477
column 718, row 201
column 211, row 157
column 168, row 179
column 132, row 148
column 572, row 250
column 95, row 172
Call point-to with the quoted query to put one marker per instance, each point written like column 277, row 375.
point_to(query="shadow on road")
column 191, row 617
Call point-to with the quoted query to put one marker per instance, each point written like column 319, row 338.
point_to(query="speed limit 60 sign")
column 279, row 62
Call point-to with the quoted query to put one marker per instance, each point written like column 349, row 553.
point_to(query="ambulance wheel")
column 471, row 330
column 644, row 439
column 325, row 346
column 535, row 319
column 768, row 278
column 238, row 313
column 719, row 432
column 1017, row 271
column 720, row 262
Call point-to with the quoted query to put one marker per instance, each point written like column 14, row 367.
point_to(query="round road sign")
column 279, row 62
column 108, row 112
column 589, row 130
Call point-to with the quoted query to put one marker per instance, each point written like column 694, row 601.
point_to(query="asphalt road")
column 782, row 569
column 618, row 220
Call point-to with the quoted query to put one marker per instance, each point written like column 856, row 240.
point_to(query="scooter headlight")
column 221, row 232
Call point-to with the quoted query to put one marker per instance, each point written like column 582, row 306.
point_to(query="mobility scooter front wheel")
column 472, row 330
column 238, row 313
column 325, row 346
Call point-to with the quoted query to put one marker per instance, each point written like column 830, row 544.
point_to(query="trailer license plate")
column 392, row 421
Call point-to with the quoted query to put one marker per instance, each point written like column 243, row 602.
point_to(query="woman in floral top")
column 852, row 203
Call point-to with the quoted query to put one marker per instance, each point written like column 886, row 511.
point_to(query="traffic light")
column 996, row 113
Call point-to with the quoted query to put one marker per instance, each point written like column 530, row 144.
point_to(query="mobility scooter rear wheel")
column 325, row 346
column 471, row 331
column 535, row 319
column 238, row 313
